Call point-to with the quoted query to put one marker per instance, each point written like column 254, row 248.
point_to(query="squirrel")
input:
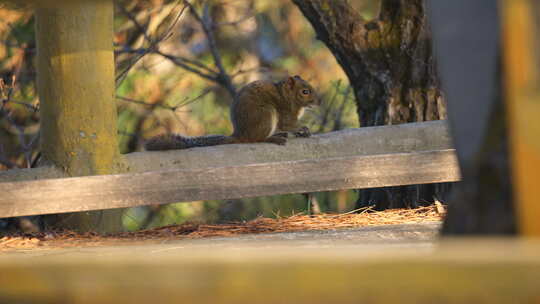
column 262, row 111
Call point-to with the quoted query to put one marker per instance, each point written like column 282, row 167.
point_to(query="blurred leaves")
column 177, row 66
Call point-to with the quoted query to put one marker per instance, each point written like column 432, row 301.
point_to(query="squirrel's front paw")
column 277, row 140
column 303, row 132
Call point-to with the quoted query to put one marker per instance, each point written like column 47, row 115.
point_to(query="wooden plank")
column 403, row 138
column 473, row 271
column 129, row 190
column 521, row 54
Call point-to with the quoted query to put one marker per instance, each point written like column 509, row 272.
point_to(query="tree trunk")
column 390, row 66
column 76, row 90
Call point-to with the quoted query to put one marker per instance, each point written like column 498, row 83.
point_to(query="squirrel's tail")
column 175, row 141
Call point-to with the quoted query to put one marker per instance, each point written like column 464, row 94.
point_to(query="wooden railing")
column 350, row 159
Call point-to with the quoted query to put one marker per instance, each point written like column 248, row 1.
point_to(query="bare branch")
column 183, row 103
column 167, row 33
column 153, row 43
column 189, row 101
column 188, row 61
column 190, row 65
column 5, row 96
column 130, row 16
column 222, row 77
column 120, row 78
column 180, row 62
column 144, row 103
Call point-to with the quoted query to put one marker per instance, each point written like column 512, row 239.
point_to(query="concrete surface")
column 384, row 264
column 412, row 237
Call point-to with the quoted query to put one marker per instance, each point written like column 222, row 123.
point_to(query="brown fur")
column 263, row 111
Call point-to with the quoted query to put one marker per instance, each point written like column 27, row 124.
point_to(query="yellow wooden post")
column 521, row 63
column 75, row 69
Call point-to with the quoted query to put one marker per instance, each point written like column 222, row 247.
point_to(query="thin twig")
column 223, row 78
column 167, row 33
column 134, row 20
column 183, row 103
column 5, row 94
column 214, row 77
column 144, row 103
column 154, row 44
column 189, row 101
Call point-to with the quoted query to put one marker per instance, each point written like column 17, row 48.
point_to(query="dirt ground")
column 295, row 223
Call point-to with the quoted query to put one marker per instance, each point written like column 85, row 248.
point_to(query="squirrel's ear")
column 290, row 82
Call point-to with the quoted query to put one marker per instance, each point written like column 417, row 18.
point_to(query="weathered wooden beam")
column 425, row 136
column 474, row 271
column 523, row 102
column 227, row 182
column 261, row 169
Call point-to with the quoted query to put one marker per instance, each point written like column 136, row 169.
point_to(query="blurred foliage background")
column 177, row 69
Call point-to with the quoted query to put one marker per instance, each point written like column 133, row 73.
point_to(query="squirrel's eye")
column 305, row 91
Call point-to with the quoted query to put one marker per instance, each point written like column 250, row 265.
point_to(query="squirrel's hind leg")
column 301, row 132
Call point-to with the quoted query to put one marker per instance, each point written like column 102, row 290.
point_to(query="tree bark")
column 390, row 66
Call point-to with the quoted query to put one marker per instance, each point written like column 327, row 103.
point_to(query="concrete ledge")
column 453, row 271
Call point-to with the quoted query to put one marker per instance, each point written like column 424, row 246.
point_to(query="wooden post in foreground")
column 76, row 88
column 466, row 37
column 521, row 40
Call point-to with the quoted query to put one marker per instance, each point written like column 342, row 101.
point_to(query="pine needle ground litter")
column 299, row 222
